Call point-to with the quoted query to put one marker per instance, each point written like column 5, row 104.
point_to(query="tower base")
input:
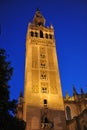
column 45, row 119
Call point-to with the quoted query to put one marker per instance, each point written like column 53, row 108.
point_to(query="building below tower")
column 75, row 111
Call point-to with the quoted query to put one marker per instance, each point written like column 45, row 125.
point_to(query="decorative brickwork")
column 42, row 89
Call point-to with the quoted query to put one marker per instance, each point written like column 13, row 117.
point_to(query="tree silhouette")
column 7, row 107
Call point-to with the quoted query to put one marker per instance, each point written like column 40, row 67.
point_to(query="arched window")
column 45, row 120
column 44, row 90
column 45, row 103
column 41, row 34
column 68, row 113
column 46, row 35
column 32, row 33
column 50, row 36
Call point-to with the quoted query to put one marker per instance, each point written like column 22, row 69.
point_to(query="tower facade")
column 43, row 101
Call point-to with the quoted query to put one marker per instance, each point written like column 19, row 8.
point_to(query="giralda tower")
column 43, row 100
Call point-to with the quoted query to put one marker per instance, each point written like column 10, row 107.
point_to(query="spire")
column 21, row 94
column 74, row 91
column 38, row 18
column 67, row 95
column 37, row 9
column 20, row 100
column 51, row 26
column 82, row 92
column 75, row 94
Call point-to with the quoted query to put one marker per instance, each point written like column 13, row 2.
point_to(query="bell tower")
column 43, row 101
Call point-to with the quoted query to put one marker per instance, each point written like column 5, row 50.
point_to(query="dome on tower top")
column 38, row 18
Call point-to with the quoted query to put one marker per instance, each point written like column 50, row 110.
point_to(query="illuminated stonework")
column 43, row 101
